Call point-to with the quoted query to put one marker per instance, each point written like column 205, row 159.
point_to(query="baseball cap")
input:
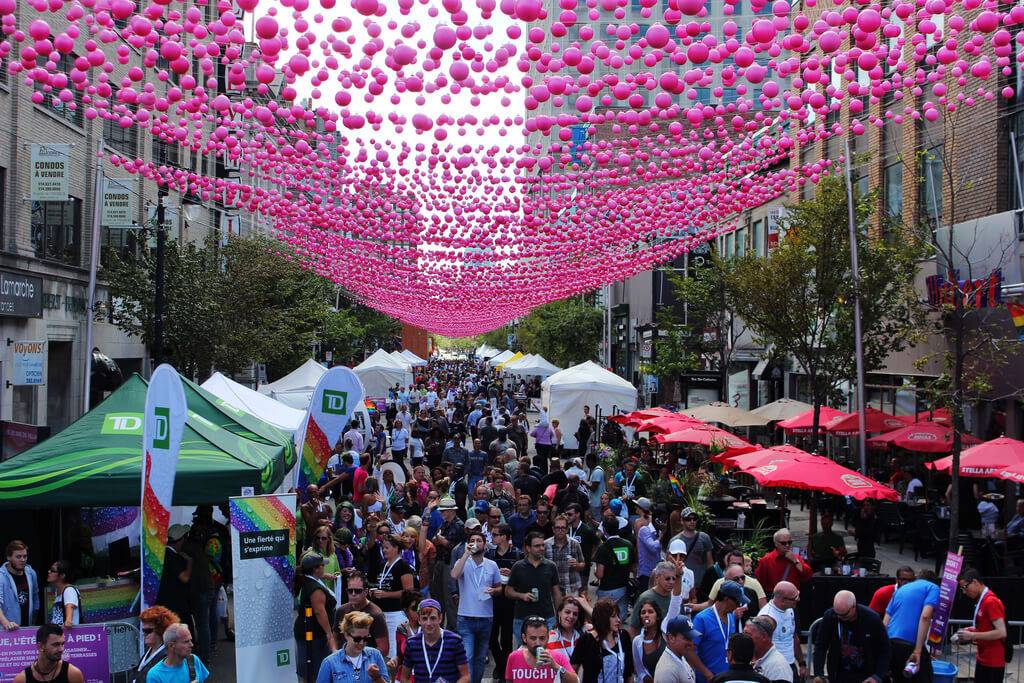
column 731, row 589
column 688, row 512
column 644, row 504
column 473, row 523
column 312, row 561
column 399, row 506
column 680, row 625
column 482, row 506
column 615, row 506
column 177, row 532
column 447, row 503
column 677, row 547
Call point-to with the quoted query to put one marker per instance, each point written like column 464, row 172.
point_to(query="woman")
column 391, row 491
column 152, row 622
column 360, row 661
column 582, row 438
column 410, row 607
column 423, row 551
column 605, row 654
column 568, row 627
column 865, row 529
column 649, row 644
column 419, row 480
column 399, row 442
column 395, row 576
column 558, row 438
column 323, row 545
column 313, row 594
column 416, row 448
column 346, row 519
column 67, row 604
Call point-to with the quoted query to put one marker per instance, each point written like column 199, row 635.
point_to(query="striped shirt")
column 444, row 657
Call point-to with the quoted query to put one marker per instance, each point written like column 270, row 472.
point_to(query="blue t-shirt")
column 713, row 640
column 904, row 609
column 444, row 658
column 161, row 673
column 519, row 524
column 477, row 463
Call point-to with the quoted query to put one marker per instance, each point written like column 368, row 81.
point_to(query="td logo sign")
column 335, row 402
column 161, row 427
column 122, row 423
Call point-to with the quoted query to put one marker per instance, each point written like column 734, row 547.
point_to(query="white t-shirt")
column 912, row 487
column 785, row 625
column 69, row 597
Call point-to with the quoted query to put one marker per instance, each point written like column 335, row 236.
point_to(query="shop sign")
column 983, row 293
column 48, row 178
column 21, row 296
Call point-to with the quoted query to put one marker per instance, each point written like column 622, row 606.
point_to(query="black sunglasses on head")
column 360, row 639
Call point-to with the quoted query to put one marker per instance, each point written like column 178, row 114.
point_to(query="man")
column 359, row 601
column 174, row 583
column 615, row 561
column 768, row 661
column 648, row 544
column 749, row 582
column 476, row 464
column 782, row 564
column 827, row 547
column 684, row 575
column 459, row 489
column 356, row 437
column 49, row 665
column 880, row 600
column 526, row 484
column 542, row 524
column 1015, row 528
column 698, row 546
column 537, row 662
column 456, row 455
column 533, row 584
column 851, row 645
column 433, row 653
column 572, row 494
column 518, row 436
column 908, row 619
column 396, row 518
column 554, row 475
column 629, row 482
column 567, row 554
column 479, row 579
column 597, row 484
column 585, row 534
column 19, row 589
column 716, row 624
column 576, row 467
column 449, row 535
column 499, row 444
column 524, row 517
column 488, row 435
column 674, row 665
column 988, row 630
column 314, row 511
column 663, row 581
column 740, row 653
column 180, row 665
column 505, row 555
column 782, row 610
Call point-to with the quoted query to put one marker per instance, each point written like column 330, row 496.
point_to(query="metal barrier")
column 963, row 655
column 123, row 640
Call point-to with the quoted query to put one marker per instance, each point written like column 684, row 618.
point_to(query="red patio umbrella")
column 1013, row 473
column 704, row 435
column 637, row 416
column 810, row 472
column 940, row 415
column 985, row 460
column 874, row 421
column 745, row 457
column 669, row 423
column 924, row 437
column 804, row 422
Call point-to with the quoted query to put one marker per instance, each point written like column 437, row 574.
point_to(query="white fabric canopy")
column 264, row 407
column 486, row 351
column 401, row 360
column 413, row 358
column 512, row 366
column 380, row 372
column 500, row 358
column 566, row 392
column 536, row 365
column 296, row 388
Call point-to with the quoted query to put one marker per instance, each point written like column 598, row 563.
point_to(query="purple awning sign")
column 947, row 593
column 84, row 646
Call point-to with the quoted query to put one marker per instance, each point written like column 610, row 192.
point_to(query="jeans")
column 474, row 479
column 617, row 595
column 394, row 620
column 517, row 629
column 476, row 635
column 501, row 634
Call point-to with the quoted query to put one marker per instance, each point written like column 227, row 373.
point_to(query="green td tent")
column 97, row 460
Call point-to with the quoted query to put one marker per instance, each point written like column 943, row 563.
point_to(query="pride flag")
column 1017, row 313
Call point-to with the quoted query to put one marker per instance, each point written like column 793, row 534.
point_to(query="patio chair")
column 890, row 519
column 927, row 540
column 998, row 556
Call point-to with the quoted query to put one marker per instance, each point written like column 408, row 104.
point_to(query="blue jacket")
column 9, row 595
column 337, row 668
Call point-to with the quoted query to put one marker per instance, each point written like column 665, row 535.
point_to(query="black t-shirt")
column 21, row 583
column 391, row 580
column 547, row 529
column 173, row 594
column 617, row 555
column 528, row 485
column 587, row 537
column 557, row 477
column 524, row 578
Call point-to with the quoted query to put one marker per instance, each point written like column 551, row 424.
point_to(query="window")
column 730, row 243
column 729, row 96
column 118, row 241
column 116, row 136
column 703, row 96
column 931, row 189
column 757, row 231
column 3, row 198
column 166, row 153
column 741, row 238
column 892, row 189
column 65, row 110
column 57, row 229
column 636, row 5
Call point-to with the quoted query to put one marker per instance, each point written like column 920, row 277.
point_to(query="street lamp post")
column 158, row 306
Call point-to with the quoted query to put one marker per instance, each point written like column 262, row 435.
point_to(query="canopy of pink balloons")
column 458, row 237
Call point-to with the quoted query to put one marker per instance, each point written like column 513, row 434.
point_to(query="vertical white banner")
column 48, row 175
column 334, row 402
column 263, row 567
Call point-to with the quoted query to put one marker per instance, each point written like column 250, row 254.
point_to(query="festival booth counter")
column 96, row 464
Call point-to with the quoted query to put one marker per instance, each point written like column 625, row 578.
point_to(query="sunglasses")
column 689, row 519
column 360, row 639
column 789, row 542
column 355, row 591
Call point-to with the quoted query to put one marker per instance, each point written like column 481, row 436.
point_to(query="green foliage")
column 564, row 332
column 227, row 306
column 800, row 298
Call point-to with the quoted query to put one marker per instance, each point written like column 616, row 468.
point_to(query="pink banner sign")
column 947, row 593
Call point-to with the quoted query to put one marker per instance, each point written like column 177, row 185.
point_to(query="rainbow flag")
column 677, row 486
column 1017, row 314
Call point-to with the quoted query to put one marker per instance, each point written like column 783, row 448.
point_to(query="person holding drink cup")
column 479, row 579
column 534, row 661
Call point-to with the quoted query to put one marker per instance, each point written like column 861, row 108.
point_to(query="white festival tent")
column 500, row 358
column 380, row 372
column 296, row 388
column 269, row 410
column 537, row 365
column 512, row 366
column 401, row 360
column 566, row 392
column 413, row 358
column 486, row 351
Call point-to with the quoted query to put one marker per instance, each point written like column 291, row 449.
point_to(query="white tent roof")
column 567, row 391
column 413, row 358
column 401, row 360
column 380, row 372
column 267, row 409
column 514, row 365
column 537, row 365
column 501, row 358
column 302, row 378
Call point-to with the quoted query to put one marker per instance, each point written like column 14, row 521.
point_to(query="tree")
column 800, row 298
column 564, row 332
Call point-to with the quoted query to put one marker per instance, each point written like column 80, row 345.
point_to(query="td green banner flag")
column 335, row 398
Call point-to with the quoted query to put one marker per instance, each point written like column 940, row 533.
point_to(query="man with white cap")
column 673, row 666
column 677, row 555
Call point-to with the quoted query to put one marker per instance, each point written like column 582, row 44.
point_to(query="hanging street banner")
column 162, row 427
column 117, row 202
column 947, row 593
column 84, row 646
column 28, row 360
column 263, row 557
column 335, row 398
column 48, row 177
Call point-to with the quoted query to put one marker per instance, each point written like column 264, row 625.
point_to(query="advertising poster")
column 263, row 555
column 28, row 360
column 947, row 593
column 117, row 202
column 162, row 425
column 84, row 646
column 48, row 176
column 335, row 398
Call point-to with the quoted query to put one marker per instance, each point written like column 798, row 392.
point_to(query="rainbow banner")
column 163, row 424
column 335, row 398
column 1017, row 314
column 263, row 556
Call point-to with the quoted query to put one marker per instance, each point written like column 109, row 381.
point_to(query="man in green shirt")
column 614, row 562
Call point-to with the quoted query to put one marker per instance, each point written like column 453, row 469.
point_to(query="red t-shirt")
column 880, row 600
column 990, row 652
column 518, row 670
